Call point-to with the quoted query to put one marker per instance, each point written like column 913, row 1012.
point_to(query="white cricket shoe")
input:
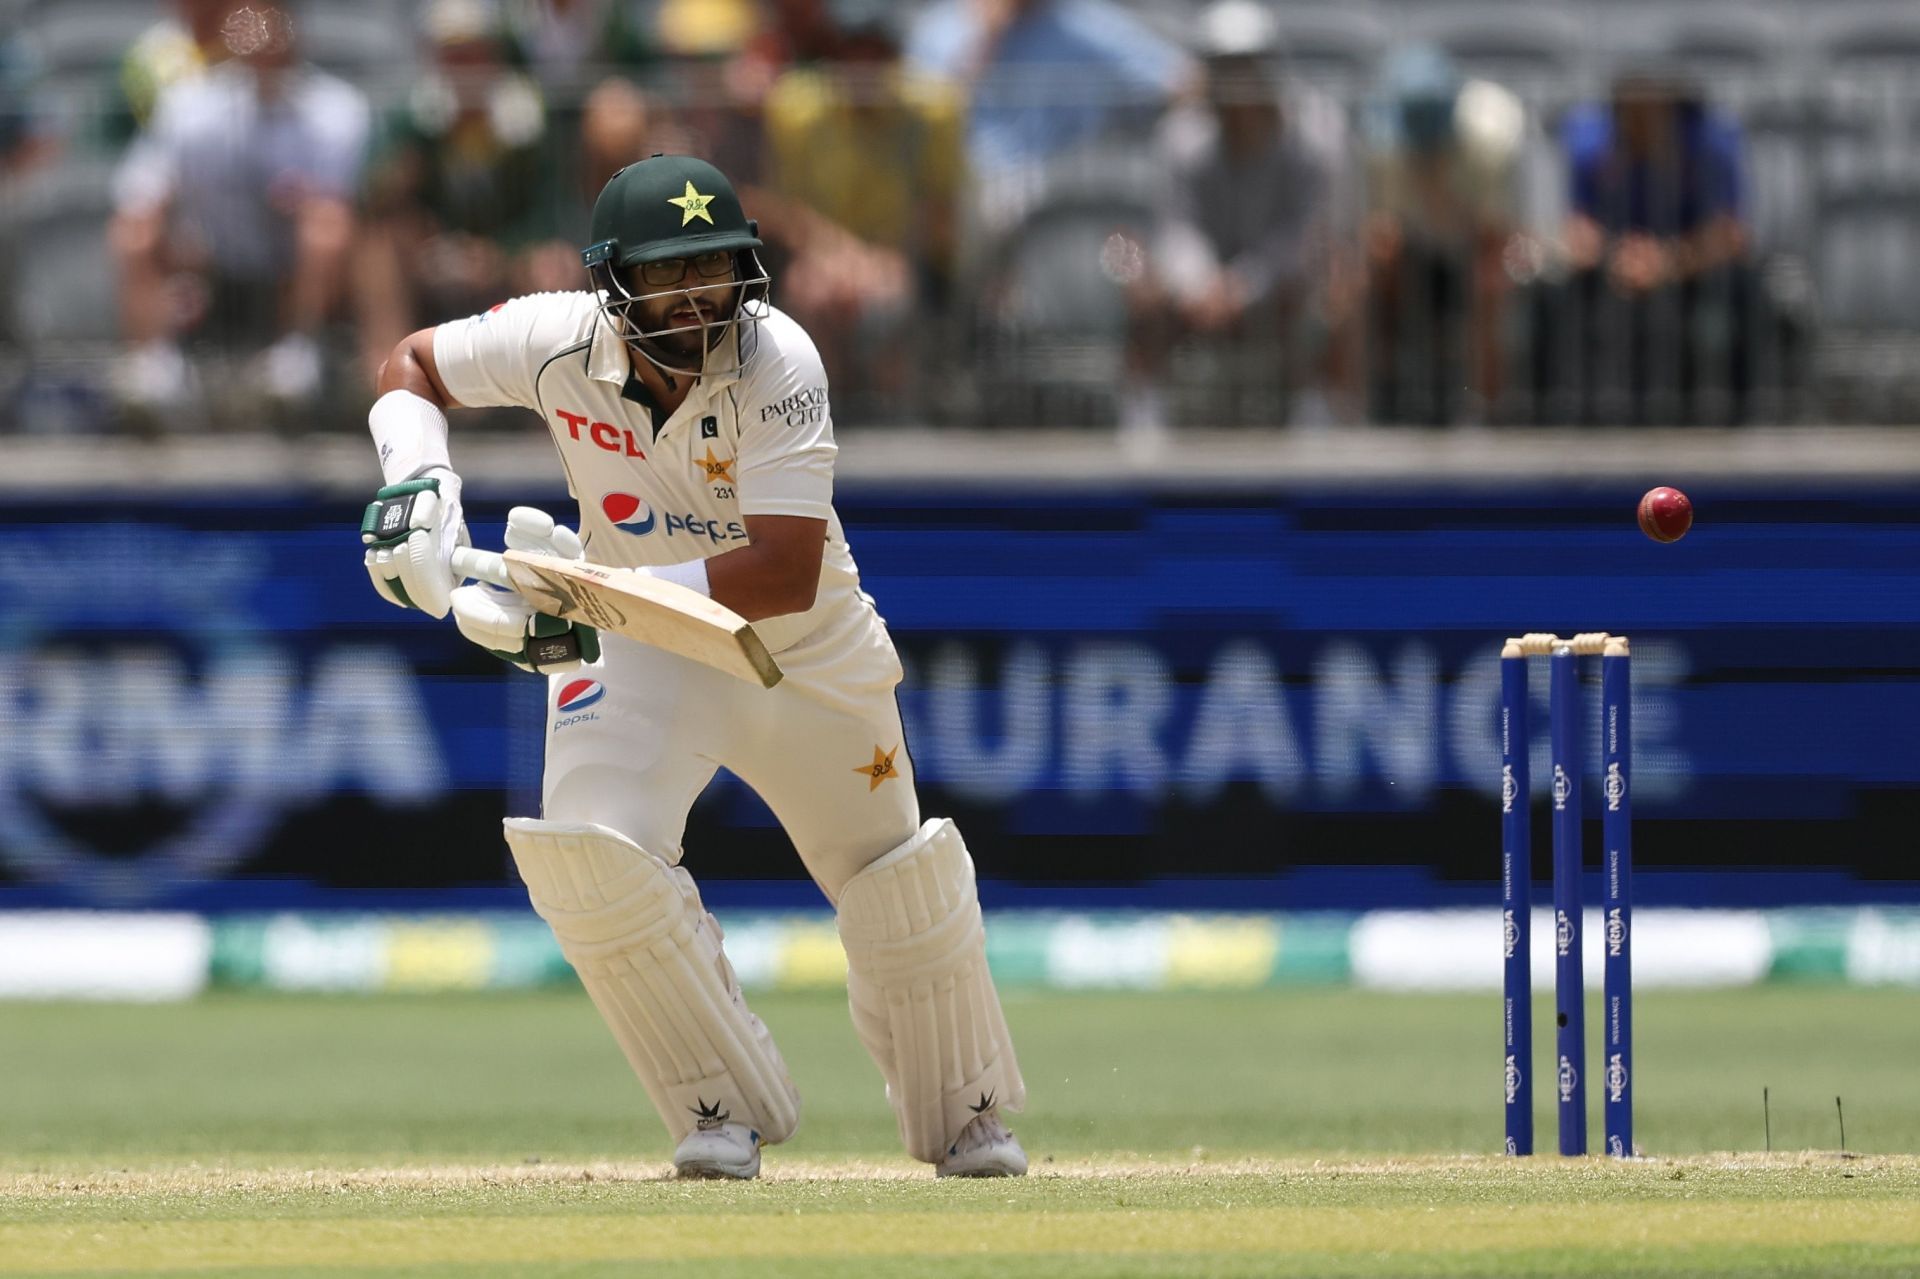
column 984, row 1148
column 730, row 1150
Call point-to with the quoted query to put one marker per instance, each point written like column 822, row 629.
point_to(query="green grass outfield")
column 1278, row 1133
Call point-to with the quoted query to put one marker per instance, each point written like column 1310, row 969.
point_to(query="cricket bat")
column 660, row 614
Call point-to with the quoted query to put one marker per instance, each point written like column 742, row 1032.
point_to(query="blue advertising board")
column 1281, row 698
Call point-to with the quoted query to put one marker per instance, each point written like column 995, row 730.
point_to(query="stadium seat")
column 1169, row 19
column 86, row 35
column 62, row 277
column 1723, row 43
column 72, row 35
column 1332, row 45
column 1780, row 170
column 1525, row 47
column 1049, row 304
column 349, row 37
column 1054, row 328
column 1868, row 346
column 1053, row 267
column 1868, row 38
column 1869, row 253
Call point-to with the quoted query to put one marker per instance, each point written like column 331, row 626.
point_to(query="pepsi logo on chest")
column 629, row 513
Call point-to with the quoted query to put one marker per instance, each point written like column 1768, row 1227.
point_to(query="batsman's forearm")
column 761, row 581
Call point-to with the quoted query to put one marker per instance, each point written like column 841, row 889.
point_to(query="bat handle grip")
column 483, row 566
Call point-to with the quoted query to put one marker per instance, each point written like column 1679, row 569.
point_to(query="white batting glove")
column 410, row 531
column 501, row 621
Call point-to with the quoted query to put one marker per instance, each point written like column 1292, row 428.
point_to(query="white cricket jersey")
column 759, row 442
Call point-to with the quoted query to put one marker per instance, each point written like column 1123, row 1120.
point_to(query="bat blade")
column 659, row 614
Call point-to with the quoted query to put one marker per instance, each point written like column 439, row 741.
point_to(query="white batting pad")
column 923, row 1000
column 649, row 954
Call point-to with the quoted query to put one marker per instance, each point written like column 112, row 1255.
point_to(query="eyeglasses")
column 672, row 270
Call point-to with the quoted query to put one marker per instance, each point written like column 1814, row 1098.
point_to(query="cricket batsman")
column 692, row 420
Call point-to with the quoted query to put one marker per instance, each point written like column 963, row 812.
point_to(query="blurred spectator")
column 863, row 169
column 582, row 53
column 724, row 88
column 1045, row 76
column 461, row 186
column 1443, row 179
column 235, row 216
column 618, row 125
column 1657, row 246
column 27, row 142
column 570, row 48
column 789, row 34
column 1243, row 254
column 27, row 137
column 177, row 48
column 568, row 45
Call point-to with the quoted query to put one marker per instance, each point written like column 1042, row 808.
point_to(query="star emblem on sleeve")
column 693, row 205
column 719, row 470
column 880, row 770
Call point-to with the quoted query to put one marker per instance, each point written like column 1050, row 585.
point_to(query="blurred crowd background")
column 1228, row 376
column 1132, row 215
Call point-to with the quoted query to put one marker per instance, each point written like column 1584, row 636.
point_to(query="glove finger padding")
column 410, row 531
column 508, row 627
column 503, row 623
column 531, row 529
column 494, row 619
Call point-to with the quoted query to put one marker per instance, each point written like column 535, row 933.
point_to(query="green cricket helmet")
column 674, row 209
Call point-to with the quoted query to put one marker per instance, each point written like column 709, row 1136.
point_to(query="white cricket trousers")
column 635, row 752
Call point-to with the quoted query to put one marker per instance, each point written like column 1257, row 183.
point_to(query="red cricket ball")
column 1665, row 514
